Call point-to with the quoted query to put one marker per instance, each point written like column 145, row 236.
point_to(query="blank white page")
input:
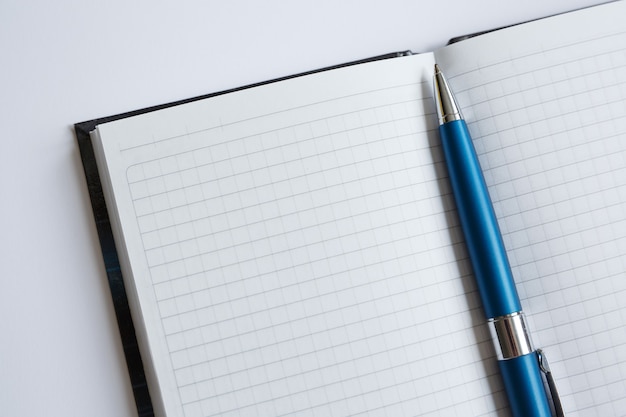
column 291, row 250
column 546, row 105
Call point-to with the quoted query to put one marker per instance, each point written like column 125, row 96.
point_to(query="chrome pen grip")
column 510, row 336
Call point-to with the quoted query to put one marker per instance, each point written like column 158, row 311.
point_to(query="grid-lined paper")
column 549, row 122
column 284, row 264
column 306, row 261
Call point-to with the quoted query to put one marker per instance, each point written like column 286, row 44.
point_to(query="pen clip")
column 551, row 386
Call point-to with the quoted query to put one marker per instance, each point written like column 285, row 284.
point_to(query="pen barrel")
column 524, row 386
column 478, row 221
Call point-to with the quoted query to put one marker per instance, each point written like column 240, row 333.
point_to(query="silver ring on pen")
column 510, row 336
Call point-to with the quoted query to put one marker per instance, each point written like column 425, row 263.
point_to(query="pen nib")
column 447, row 109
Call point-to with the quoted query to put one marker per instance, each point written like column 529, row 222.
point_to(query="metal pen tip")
column 447, row 108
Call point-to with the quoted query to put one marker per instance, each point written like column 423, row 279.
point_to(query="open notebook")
column 293, row 248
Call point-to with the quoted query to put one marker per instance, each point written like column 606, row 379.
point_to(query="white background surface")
column 68, row 61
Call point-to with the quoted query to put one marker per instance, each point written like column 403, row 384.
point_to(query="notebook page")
column 294, row 252
column 546, row 105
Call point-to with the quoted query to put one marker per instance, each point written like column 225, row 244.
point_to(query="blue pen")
column 520, row 364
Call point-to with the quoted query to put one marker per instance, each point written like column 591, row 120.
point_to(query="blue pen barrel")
column 480, row 228
column 526, row 399
column 521, row 374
